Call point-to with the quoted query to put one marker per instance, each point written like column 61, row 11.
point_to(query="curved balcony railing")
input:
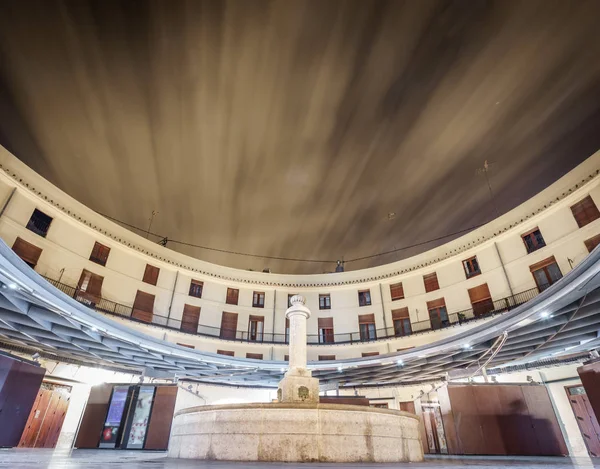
column 454, row 319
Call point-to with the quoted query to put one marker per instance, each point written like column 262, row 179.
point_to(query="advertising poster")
column 110, row 432
column 141, row 417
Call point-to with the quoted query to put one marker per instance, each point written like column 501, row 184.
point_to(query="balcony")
column 454, row 319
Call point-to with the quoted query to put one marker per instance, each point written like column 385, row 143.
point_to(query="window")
column 324, row 301
column 229, row 325
column 39, row 223
column 364, row 298
column 89, row 288
column 287, row 330
column 196, row 288
column 481, row 300
column 286, row 358
column 151, row 274
column 590, row 244
column 471, row 267
column 397, row 291
column 190, row 319
column 255, row 356
column 545, row 273
column 255, row 328
column 380, row 405
column 370, row 354
column 431, row 282
column 100, row 253
column 143, row 306
column 326, row 357
column 185, row 345
column 533, row 240
column 258, row 299
column 232, row 296
column 438, row 315
column 366, row 324
column 29, row 253
column 401, row 320
column 229, row 353
column 585, row 211
column 290, row 295
column 326, row 331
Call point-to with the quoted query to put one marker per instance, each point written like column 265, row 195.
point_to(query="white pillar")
column 298, row 385
column 298, row 315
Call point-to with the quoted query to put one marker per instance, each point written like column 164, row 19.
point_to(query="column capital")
column 298, row 308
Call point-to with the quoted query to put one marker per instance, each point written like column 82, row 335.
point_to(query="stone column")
column 298, row 385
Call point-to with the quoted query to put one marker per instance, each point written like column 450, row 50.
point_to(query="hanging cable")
column 164, row 239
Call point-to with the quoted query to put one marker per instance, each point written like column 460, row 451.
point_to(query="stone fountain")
column 296, row 428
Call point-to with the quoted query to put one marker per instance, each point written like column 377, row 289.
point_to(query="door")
column 586, row 419
column 190, row 318
column 434, row 429
column 143, row 307
column 229, row 325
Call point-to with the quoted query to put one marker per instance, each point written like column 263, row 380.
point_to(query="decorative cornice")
column 468, row 245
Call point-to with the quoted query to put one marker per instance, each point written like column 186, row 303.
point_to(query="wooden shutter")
column 397, row 291
column 540, row 265
column 591, row 243
column 232, row 296
column 151, row 274
column 439, row 303
column 585, row 211
column 431, row 282
column 100, row 253
column 27, row 251
column 229, row 353
column 229, row 325
column 325, row 323
column 366, row 318
column 143, row 306
column 479, row 293
column 93, row 289
column 256, row 356
column 185, row 345
column 189, row 319
column 401, row 313
column 161, row 418
column 95, row 285
column 370, row 354
column 326, row 357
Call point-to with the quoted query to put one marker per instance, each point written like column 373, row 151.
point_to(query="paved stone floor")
column 99, row 459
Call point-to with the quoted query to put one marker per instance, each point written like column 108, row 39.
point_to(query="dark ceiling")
column 293, row 128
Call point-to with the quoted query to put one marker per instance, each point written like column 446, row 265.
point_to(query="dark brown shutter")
column 95, row 285
column 585, row 211
column 366, row 318
column 542, row 264
column 479, row 293
column 325, row 323
column 326, row 357
column 431, row 282
column 232, row 296
column 401, row 313
column 439, row 303
column 591, row 243
column 256, row 356
column 100, row 253
column 151, row 274
column 159, row 427
column 229, row 353
column 185, row 345
column 286, row 358
column 189, row 319
column 370, row 354
column 397, row 291
column 27, row 251
column 143, row 306
column 228, row 325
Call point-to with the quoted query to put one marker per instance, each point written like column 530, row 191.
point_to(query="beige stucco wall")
column 69, row 242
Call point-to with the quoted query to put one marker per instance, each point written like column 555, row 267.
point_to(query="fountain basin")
column 295, row 432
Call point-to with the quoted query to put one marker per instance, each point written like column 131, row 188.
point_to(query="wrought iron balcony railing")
column 454, row 319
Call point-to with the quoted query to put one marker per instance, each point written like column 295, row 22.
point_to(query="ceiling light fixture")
column 467, row 346
column 544, row 314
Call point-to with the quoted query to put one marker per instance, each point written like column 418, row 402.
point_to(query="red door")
column 586, row 419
